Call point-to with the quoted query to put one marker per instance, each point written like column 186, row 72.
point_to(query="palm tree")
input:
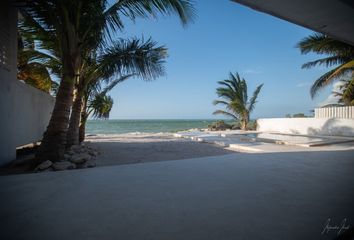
column 339, row 54
column 79, row 26
column 233, row 96
column 123, row 58
column 96, row 102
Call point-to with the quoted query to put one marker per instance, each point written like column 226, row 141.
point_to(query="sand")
column 139, row 148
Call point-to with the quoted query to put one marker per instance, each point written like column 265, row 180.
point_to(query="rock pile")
column 78, row 156
column 219, row 126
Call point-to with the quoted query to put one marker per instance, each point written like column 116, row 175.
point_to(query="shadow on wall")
column 332, row 127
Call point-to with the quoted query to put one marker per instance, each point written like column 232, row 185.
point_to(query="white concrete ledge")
column 308, row 126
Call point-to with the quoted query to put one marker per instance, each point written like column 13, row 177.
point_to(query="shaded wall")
column 308, row 126
column 25, row 111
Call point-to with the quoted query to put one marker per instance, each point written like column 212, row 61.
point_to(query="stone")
column 88, row 164
column 64, row 165
column 44, row 165
column 50, row 169
column 91, row 163
column 75, row 148
column 67, row 156
column 92, row 152
column 70, row 152
column 80, row 158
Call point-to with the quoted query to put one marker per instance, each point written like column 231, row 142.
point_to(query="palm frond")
column 101, row 106
column 216, row 102
column 343, row 69
column 323, row 44
column 254, row 97
column 339, row 53
column 222, row 112
column 327, row 62
column 134, row 56
column 113, row 83
column 321, row 82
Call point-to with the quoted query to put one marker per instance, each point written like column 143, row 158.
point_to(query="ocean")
column 143, row 126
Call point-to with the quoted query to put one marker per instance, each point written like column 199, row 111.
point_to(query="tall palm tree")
column 234, row 97
column 340, row 55
column 96, row 102
column 122, row 58
column 80, row 26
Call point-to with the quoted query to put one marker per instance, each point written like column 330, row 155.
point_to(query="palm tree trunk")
column 82, row 130
column 243, row 125
column 84, row 116
column 54, row 139
column 244, row 122
column 73, row 131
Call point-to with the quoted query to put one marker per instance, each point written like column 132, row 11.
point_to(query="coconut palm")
column 122, row 58
column 340, row 55
column 234, row 97
column 80, row 26
column 96, row 102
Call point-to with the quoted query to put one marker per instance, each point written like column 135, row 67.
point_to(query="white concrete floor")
column 236, row 196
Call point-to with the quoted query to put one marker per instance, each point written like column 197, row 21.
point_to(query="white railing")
column 335, row 112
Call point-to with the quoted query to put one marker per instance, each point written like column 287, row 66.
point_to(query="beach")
column 115, row 149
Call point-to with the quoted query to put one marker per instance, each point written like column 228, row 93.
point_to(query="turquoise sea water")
column 143, row 126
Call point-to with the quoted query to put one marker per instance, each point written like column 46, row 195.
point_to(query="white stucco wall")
column 25, row 111
column 308, row 126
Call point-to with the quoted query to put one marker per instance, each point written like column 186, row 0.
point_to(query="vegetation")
column 340, row 55
column 31, row 67
column 219, row 125
column 116, row 63
column 96, row 102
column 233, row 96
column 75, row 30
column 296, row 115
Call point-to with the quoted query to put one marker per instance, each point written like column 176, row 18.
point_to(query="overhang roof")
column 332, row 17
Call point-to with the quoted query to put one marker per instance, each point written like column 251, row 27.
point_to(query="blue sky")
column 224, row 37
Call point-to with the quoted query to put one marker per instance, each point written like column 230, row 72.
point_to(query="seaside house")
column 25, row 111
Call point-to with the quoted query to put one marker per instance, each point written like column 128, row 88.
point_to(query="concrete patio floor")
column 236, row 196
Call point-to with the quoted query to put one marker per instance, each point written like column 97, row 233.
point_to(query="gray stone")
column 50, row 169
column 44, row 165
column 80, row 158
column 75, row 148
column 59, row 166
column 67, row 156
column 70, row 152
column 91, row 163
column 88, row 164
column 93, row 152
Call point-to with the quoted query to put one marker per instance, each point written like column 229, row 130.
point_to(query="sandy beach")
column 139, row 148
